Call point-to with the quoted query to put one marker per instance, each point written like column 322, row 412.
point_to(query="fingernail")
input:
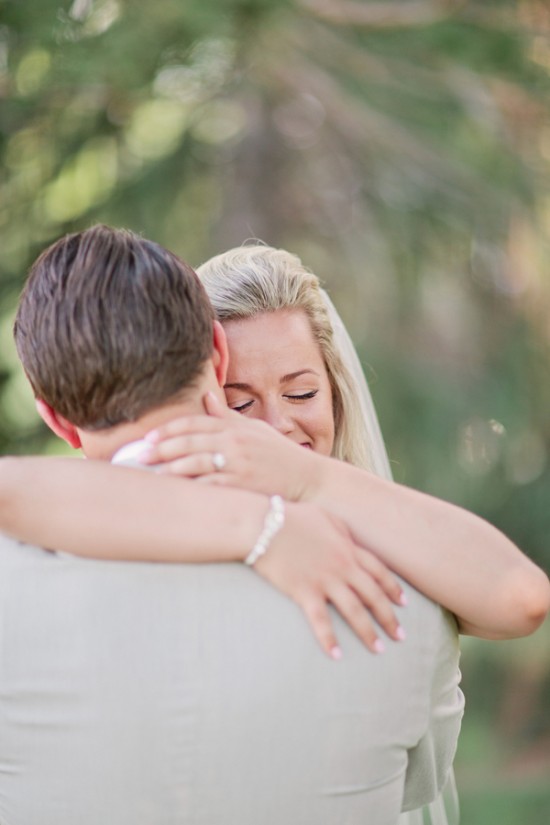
column 403, row 598
column 400, row 634
column 144, row 457
column 152, row 437
column 335, row 653
column 378, row 646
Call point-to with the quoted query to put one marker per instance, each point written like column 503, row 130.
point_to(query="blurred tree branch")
column 379, row 15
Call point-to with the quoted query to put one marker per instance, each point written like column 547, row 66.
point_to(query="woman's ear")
column 59, row 425
column 220, row 354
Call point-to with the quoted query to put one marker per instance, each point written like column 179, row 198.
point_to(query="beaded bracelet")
column 274, row 520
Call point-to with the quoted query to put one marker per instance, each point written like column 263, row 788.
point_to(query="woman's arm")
column 90, row 508
column 449, row 554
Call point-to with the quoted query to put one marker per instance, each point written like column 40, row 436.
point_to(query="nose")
column 275, row 414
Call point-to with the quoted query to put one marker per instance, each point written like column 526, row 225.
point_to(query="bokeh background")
column 402, row 148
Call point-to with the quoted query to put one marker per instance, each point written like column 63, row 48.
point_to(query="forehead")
column 280, row 342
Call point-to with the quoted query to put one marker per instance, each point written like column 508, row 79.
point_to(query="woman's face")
column 277, row 373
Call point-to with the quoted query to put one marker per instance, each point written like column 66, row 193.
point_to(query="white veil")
column 444, row 810
column 379, row 461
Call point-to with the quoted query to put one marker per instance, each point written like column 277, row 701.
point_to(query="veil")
column 379, row 462
column 444, row 810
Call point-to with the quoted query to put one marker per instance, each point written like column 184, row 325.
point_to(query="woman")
column 447, row 553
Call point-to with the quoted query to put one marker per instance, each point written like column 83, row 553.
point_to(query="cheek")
column 321, row 424
column 330, row 431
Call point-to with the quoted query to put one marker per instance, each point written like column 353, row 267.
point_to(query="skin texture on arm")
column 446, row 552
column 90, row 508
column 451, row 555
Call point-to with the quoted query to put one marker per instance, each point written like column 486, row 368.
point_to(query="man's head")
column 110, row 327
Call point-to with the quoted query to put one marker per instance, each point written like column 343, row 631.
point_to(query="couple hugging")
column 160, row 694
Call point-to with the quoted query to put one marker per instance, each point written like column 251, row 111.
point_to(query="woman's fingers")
column 259, row 458
column 182, row 446
column 218, row 480
column 383, row 575
column 317, row 614
column 350, row 606
column 213, row 406
column 373, row 598
column 188, row 425
column 190, row 466
column 314, row 561
column 360, row 605
column 218, row 418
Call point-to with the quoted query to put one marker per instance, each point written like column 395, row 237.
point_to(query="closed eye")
column 302, row 396
column 243, row 407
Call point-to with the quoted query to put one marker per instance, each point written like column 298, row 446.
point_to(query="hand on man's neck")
column 101, row 445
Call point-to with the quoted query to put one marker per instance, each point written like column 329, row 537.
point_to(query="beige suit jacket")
column 149, row 694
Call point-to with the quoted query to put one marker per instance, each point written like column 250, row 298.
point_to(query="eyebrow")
column 284, row 379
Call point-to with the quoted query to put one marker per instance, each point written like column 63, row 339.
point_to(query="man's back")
column 150, row 694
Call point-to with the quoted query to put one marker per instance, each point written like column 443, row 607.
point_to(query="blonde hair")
column 250, row 280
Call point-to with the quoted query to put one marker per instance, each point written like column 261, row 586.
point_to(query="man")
column 141, row 694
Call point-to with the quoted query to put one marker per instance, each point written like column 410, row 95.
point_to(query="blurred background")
column 402, row 149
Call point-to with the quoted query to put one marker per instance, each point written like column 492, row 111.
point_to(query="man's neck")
column 103, row 444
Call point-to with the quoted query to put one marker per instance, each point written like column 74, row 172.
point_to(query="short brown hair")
column 111, row 325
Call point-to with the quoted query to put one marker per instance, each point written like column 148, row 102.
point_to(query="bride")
column 293, row 366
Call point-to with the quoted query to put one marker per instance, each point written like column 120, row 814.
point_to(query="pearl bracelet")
column 274, row 520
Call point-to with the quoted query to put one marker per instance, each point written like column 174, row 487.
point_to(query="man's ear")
column 220, row 354
column 59, row 425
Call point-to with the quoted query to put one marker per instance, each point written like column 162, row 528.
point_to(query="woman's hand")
column 314, row 561
column 255, row 456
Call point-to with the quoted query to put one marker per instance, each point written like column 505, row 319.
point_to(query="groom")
column 148, row 694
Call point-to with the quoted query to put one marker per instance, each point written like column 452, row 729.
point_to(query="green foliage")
column 499, row 805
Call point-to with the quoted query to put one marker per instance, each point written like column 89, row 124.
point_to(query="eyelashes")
column 292, row 398
column 303, row 395
column 243, row 407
